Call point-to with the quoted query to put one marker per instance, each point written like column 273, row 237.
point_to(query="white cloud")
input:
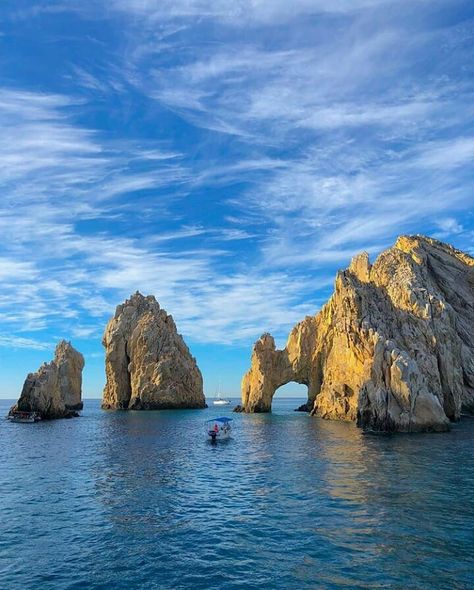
column 59, row 277
column 15, row 270
column 451, row 153
column 241, row 12
column 311, row 141
column 450, row 225
column 87, row 332
column 9, row 341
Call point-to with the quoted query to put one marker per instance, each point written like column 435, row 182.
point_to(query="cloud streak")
column 227, row 158
column 60, row 273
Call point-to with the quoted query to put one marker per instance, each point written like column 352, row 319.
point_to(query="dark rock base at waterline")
column 303, row 408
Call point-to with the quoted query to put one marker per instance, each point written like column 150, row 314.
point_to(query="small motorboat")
column 218, row 428
column 24, row 417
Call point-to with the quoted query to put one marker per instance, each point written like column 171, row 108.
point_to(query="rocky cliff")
column 393, row 349
column 54, row 391
column 148, row 365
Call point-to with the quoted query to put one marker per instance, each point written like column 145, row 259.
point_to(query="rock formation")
column 392, row 349
column 148, row 365
column 54, row 391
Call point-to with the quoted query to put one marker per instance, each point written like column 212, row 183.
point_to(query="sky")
column 226, row 157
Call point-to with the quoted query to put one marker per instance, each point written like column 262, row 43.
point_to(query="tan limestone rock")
column 148, row 365
column 54, row 391
column 392, row 349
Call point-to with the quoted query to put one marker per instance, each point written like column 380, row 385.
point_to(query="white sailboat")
column 219, row 400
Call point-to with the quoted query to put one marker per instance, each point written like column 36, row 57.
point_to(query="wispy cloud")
column 242, row 11
column 228, row 157
column 367, row 136
column 452, row 153
column 66, row 269
column 8, row 341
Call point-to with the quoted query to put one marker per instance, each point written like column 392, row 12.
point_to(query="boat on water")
column 219, row 428
column 24, row 417
column 220, row 401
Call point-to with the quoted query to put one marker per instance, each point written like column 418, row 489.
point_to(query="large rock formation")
column 54, row 391
column 148, row 365
column 393, row 349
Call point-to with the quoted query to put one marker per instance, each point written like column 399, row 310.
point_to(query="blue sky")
column 227, row 157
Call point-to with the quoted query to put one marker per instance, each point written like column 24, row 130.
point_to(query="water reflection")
column 142, row 500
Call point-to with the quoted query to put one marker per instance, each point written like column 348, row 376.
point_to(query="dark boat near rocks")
column 24, row 417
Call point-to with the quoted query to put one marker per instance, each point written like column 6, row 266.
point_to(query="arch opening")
column 294, row 394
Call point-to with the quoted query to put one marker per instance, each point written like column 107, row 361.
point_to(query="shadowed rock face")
column 148, row 365
column 54, row 391
column 393, row 349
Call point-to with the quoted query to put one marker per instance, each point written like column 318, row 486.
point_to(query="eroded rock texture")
column 393, row 349
column 54, row 391
column 148, row 366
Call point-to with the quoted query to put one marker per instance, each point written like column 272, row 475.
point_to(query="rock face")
column 54, row 391
column 393, row 349
column 148, row 365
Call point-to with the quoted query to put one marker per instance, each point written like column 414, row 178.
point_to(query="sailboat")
column 219, row 400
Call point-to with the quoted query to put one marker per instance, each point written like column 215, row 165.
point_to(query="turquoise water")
column 142, row 500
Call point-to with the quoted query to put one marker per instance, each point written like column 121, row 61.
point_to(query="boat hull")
column 218, row 428
column 221, row 435
column 24, row 417
column 23, row 420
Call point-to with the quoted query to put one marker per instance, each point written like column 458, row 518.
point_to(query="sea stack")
column 392, row 349
column 147, row 363
column 54, row 391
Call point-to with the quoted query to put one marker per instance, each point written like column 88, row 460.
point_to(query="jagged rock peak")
column 139, row 302
column 392, row 349
column 148, row 365
column 360, row 266
column 54, row 391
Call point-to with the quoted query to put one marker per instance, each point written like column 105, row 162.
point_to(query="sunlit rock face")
column 148, row 366
column 392, row 349
column 54, row 391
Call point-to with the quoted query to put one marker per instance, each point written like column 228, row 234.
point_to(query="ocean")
column 141, row 500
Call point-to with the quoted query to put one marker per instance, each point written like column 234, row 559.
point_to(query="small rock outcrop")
column 54, row 391
column 393, row 349
column 148, row 366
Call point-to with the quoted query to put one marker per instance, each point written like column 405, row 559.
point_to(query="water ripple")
column 141, row 500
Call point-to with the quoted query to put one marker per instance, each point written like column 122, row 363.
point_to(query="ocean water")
column 142, row 501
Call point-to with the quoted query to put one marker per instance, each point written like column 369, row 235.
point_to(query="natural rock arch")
column 272, row 368
column 392, row 349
